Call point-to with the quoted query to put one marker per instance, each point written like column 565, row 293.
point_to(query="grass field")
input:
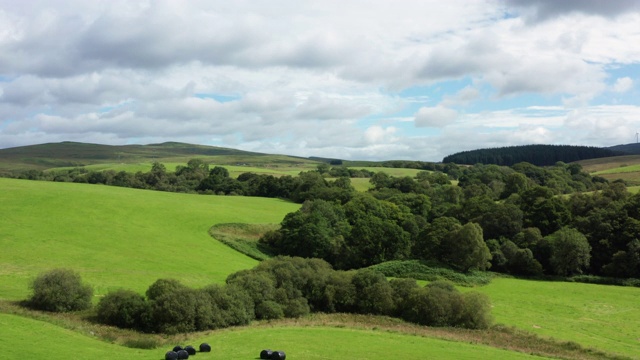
column 603, row 317
column 117, row 237
column 25, row 338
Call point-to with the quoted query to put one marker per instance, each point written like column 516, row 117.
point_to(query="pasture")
column 118, row 237
column 599, row 316
column 308, row 342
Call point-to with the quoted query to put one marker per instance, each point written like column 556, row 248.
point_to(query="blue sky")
column 392, row 80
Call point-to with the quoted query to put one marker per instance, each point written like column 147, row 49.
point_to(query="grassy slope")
column 117, row 237
column 620, row 167
column 53, row 342
column 70, row 154
column 603, row 317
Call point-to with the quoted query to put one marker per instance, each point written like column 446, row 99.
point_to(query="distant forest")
column 539, row 155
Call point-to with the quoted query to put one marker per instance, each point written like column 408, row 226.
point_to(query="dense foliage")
column 60, row 290
column 541, row 155
column 510, row 219
column 291, row 287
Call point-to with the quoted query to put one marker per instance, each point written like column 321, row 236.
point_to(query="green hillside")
column 118, row 237
column 73, row 154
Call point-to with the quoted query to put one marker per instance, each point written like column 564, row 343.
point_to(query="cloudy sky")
column 351, row 79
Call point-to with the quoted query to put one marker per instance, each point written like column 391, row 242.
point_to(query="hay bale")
column 171, row 355
column 183, row 354
column 266, row 354
column 177, row 348
column 190, row 350
column 278, row 355
column 204, row 347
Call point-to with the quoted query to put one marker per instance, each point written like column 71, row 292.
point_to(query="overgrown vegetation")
column 291, row 287
column 60, row 290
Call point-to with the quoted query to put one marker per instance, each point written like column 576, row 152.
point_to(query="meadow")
column 599, row 316
column 118, row 237
column 299, row 342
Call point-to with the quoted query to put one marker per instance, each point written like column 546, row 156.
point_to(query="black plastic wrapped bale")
column 266, row 354
column 278, row 355
column 204, row 347
column 190, row 350
column 171, row 355
column 183, row 354
column 177, row 348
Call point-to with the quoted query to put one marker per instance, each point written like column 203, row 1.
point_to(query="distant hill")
column 629, row 149
column 540, row 155
column 65, row 154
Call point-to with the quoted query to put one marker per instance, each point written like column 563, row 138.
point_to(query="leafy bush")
column 269, row 309
column 60, row 290
column 125, row 309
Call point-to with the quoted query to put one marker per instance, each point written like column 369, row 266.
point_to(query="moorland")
column 130, row 235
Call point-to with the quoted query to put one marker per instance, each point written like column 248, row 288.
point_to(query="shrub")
column 269, row 310
column 476, row 311
column 125, row 309
column 374, row 294
column 174, row 312
column 60, row 290
column 164, row 286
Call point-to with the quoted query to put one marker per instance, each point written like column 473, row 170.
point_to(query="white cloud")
column 329, row 78
column 437, row 116
column 623, row 85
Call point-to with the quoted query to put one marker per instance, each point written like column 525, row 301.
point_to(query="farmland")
column 128, row 238
column 120, row 237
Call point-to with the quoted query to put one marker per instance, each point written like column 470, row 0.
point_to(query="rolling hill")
column 74, row 154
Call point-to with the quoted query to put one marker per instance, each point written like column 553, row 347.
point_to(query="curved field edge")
column 316, row 337
column 118, row 237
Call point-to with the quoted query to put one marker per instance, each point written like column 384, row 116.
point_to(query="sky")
column 348, row 79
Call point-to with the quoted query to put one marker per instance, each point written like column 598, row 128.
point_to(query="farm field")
column 117, row 237
column 620, row 167
column 599, row 316
column 327, row 343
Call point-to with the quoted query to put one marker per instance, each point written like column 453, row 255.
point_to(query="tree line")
column 541, row 155
column 277, row 288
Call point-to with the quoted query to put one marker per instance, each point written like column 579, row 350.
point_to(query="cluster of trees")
column 290, row 287
column 196, row 177
column 277, row 288
column 541, row 155
column 513, row 220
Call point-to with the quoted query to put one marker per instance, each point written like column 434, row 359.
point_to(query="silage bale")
column 177, row 348
column 183, row 354
column 266, row 354
column 204, row 347
column 190, row 350
column 278, row 355
column 171, row 355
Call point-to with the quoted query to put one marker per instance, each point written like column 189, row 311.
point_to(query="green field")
column 52, row 342
column 397, row 172
column 599, row 316
column 117, row 237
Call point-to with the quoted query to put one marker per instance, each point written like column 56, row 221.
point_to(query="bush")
column 60, row 290
column 125, row 309
column 476, row 311
column 164, row 286
column 267, row 310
